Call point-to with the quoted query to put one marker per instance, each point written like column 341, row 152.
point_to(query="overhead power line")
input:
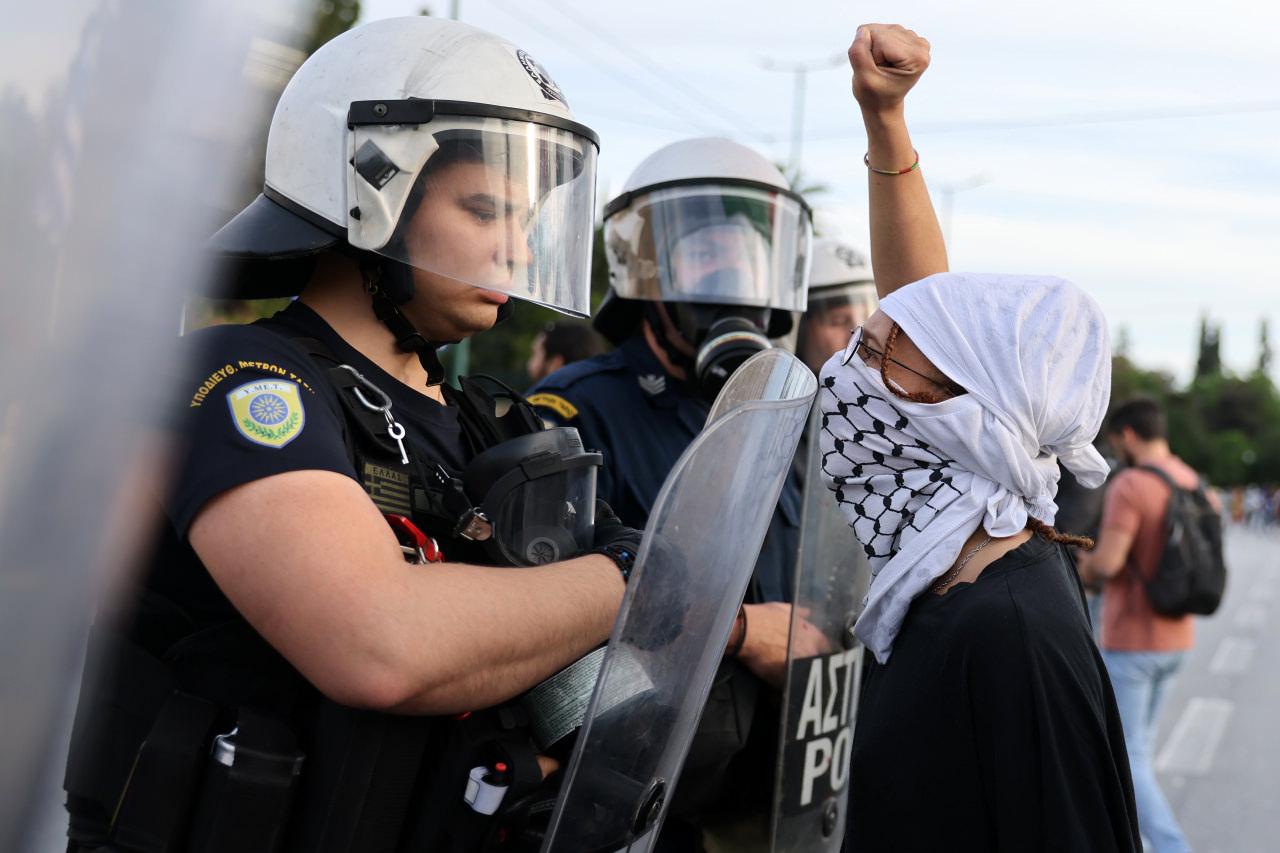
column 679, row 84
column 604, row 65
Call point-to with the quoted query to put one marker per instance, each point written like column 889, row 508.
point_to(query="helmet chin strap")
column 663, row 327
column 390, row 285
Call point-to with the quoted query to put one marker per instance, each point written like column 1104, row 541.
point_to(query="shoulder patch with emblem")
column 555, row 403
column 267, row 411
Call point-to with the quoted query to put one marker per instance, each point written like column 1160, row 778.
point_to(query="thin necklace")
column 944, row 583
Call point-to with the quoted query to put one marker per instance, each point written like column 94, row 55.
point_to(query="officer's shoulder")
column 562, row 394
column 225, row 354
column 572, row 377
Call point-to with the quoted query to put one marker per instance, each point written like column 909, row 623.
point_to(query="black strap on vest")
column 390, row 284
column 436, row 494
column 489, row 413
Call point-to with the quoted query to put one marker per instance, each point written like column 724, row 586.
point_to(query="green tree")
column 1264, row 347
column 1123, row 344
column 1226, row 426
column 333, row 17
column 1209, row 359
column 806, row 185
column 1129, row 380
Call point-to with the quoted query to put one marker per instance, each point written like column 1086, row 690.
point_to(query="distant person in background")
column 1255, row 506
column 561, row 343
column 1237, row 505
column 1142, row 649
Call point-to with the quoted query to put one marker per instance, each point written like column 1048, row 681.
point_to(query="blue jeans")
column 1141, row 681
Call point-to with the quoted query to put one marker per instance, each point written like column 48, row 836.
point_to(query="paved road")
column 1218, row 747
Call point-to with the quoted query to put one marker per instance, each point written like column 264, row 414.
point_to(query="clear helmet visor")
column 719, row 244
column 834, row 312
column 548, row 519
column 845, row 306
column 499, row 204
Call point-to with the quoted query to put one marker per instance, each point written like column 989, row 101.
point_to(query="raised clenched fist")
column 887, row 61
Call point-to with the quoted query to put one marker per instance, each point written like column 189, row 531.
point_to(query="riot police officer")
column 284, row 678
column 842, row 294
column 707, row 248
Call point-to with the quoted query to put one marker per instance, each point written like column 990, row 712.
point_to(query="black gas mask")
column 538, row 494
column 723, row 337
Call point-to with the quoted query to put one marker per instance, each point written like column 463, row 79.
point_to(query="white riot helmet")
column 842, row 295
column 705, row 229
column 370, row 123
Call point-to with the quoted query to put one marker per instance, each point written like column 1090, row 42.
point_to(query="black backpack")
column 1191, row 575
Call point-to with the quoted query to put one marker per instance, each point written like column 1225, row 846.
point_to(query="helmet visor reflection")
column 494, row 203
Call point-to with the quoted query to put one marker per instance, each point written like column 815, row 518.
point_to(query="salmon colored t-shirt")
column 1135, row 503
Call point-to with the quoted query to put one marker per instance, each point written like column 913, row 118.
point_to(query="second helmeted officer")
column 708, row 250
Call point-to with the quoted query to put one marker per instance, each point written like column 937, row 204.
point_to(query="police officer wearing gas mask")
column 361, row 566
column 707, row 248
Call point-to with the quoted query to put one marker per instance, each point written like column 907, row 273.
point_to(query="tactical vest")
column 219, row 744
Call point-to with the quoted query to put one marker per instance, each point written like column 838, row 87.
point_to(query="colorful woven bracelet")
column 866, row 161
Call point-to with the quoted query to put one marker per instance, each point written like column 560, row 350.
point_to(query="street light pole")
column 801, row 71
column 948, row 192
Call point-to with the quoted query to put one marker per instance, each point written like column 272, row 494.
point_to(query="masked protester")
column 363, row 566
column 708, row 251
column 986, row 720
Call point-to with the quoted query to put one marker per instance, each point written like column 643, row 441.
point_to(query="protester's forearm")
column 906, row 242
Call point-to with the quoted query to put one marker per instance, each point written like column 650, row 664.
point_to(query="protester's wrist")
column 884, row 117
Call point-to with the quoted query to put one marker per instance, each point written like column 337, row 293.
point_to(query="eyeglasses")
column 871, row 353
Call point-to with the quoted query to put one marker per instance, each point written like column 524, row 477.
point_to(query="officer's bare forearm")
column 327, row 586
column 504, row 630
column 906, row 242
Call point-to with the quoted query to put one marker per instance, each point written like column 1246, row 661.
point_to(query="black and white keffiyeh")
column 915, row 479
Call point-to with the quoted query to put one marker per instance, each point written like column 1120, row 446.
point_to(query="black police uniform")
column 625, row 404
column 184, row 667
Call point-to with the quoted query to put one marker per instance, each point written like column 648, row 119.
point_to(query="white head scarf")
column 914, row 479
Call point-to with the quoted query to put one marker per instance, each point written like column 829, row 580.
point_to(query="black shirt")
column 993, row 726
column 255, row 404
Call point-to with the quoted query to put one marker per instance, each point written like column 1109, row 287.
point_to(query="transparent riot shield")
column 824, row 661
column 128, row 125
column 699, row 550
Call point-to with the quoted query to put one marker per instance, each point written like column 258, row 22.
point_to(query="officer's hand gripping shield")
column 823, row 671
column 699, row 550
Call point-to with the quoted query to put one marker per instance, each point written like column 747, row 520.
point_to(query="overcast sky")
column 1161, row 217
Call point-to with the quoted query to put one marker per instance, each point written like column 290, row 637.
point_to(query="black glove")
column 615, row 540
